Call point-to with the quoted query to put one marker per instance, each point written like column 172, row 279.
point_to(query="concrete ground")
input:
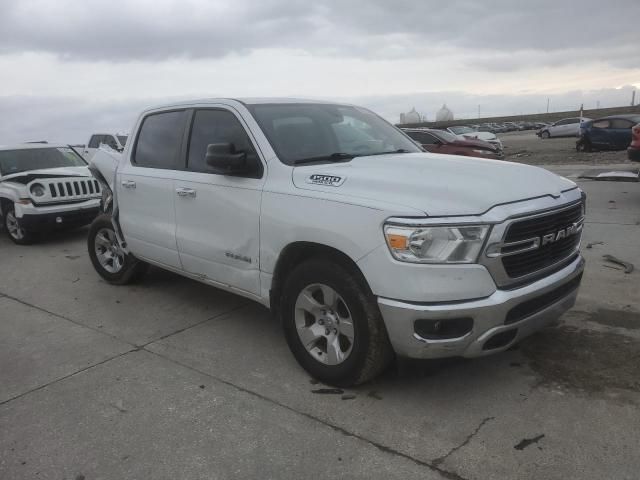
column 170, row 379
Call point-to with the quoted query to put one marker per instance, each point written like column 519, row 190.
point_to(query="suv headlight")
column 437, row 244
column 37, row 190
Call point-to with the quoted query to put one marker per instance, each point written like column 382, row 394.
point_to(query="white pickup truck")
column 363, row 245
column 115, row 141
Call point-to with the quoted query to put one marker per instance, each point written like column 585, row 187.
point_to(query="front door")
column 218, row 215
column 145, row 191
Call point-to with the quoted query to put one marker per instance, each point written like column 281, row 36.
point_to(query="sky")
column 68, row 68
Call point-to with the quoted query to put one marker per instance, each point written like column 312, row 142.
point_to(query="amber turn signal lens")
column 399, row 242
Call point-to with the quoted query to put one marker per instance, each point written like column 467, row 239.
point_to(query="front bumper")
column 497, row 323
column 46, row 221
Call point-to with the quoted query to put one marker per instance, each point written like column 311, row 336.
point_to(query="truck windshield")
column 315, row 132
column 122, row 139
column 23, row 160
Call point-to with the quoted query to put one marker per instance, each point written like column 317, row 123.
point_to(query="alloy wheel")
column 324, row 324
column 108, row 251
column 14, row 228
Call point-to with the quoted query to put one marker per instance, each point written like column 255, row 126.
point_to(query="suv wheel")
column 16, row 233
column 333, row 325
column 545, row 134
column 109, row 260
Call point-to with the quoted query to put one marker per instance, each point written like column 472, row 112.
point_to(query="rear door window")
column 160, row 140
column 621, row 123
column 601, row 124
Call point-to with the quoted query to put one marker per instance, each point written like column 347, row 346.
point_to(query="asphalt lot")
column 172, row 379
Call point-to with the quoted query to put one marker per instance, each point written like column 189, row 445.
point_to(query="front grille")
column 524, row 263
column 68, row 190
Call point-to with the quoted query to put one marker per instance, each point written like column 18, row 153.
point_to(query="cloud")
column 154, row 30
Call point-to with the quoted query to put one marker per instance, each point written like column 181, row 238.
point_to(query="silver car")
column 567, row 127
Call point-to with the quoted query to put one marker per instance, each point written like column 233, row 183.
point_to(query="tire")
column 111, row 263
column 15, row 232
column 353, row 311
column 545, row 134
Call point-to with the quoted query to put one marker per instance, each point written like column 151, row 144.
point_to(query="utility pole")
column 547, row 104
column 478, row 110
column 598, row 105
column 633, row 97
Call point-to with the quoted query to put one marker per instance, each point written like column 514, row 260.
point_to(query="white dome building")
column 411, row 117
column 444, row 114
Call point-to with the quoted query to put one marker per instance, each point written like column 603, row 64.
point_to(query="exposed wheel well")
column 5, row 203
column 296, row 253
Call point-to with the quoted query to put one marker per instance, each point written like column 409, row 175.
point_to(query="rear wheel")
column 333, row 325
column 108, row 258
column 14, row 230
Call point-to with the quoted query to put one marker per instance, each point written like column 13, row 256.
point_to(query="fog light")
column 444, row 328
column 58, row 219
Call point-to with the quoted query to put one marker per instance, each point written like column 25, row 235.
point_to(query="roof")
column 245, row 101
column 31, row 146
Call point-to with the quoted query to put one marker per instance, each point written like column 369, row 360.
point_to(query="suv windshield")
column 461, row 130
column 323, row 132
column 23, row 160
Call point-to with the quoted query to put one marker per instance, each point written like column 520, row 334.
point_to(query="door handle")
column 128, row 184
column 186, row 192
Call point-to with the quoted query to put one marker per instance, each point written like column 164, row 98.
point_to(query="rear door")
column 621, row 132
column 145, row 188
column 218, row 215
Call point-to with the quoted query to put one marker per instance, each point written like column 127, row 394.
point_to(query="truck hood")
column 480, row 135
column 438, row 185
column 26, row 177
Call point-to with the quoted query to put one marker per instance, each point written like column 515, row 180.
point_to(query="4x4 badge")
column 329, row 180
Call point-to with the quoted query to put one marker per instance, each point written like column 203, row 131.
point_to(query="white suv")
column 363, row 244
column 45, row 187
column 567, row 127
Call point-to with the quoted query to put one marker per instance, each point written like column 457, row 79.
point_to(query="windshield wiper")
column 400, row 150
column 333, row 157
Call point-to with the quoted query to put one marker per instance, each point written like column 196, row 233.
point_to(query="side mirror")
column 224, row 159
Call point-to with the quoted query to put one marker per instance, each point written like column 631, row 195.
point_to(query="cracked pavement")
column 173, row 379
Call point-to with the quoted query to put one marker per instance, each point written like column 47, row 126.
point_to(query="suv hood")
column 26, row 177
column 438, row 185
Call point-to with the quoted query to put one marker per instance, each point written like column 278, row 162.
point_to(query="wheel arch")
column 297, row 252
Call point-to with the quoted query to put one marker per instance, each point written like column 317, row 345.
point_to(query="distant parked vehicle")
column 465, row 133
column 633, row 152
column 439, row 141
column 607, row 133
column 112, row 140
column 567, row 127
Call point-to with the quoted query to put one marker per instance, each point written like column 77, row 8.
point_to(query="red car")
column 438, row 141
column 633, row 151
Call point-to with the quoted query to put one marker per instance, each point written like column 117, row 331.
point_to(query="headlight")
column 483, row 152
column 438, row 244
column 37, row 190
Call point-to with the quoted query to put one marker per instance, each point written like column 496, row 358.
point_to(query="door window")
column 423, row 138
column 601, row 124
column 219, row 126
column 621, row 123
column 95, row 141
column 561, row 122
column 159, row 141
column 110, row 141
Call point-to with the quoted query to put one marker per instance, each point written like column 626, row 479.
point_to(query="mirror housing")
column 224, row 158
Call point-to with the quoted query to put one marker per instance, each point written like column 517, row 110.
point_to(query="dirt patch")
column 616, row 318
column 584, row 360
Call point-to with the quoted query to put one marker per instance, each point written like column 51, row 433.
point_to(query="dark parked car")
column 439, row 141
column 633, row 152
column 607, row 133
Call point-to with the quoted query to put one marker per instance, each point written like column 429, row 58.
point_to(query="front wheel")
column 17, row 234
column 333, row 325
column 108, row 258
column 545, row 134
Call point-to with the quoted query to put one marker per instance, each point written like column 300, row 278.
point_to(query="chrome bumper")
column 488, row 314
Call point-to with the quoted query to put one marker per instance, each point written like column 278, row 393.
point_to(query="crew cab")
column 364, row 245
column 44, row 187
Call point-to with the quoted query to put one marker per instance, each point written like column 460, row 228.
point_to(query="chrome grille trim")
column 66, row 190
